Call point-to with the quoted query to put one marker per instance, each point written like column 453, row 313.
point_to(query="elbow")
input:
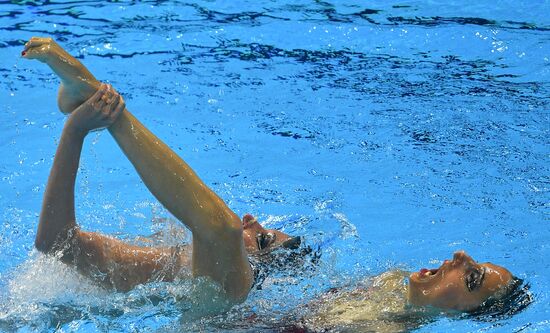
column 49, row 244
column 43, row 245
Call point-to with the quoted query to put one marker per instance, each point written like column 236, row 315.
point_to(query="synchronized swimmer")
column 221, row 241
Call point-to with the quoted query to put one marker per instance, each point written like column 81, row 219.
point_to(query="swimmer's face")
column 257, row 238
column 460, row 284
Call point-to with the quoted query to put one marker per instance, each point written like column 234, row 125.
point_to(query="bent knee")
column 42, row 245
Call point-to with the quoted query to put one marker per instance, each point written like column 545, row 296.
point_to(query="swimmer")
column 387, row 303
column 221, row 240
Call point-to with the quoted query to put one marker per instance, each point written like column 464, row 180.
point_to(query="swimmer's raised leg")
column 77, row 83
column 218, row 247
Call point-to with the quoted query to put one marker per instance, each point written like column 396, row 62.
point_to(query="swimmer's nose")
column 248, row 221
column 461, row 256
column 248, row 218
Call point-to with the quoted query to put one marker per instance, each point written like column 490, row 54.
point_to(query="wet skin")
column 460, row 284
column 77, row 83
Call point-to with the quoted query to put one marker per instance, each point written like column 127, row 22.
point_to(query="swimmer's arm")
column 109, row 261
column 57, row 216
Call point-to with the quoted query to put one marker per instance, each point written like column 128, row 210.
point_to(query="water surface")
column 389, row 134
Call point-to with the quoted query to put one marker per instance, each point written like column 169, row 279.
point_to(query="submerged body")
column 378, row 304
column 398, row 301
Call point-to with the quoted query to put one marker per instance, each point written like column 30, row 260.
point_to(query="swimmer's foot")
column 77, row 83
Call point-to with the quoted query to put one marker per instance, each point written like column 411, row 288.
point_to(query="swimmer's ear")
column 292, row 243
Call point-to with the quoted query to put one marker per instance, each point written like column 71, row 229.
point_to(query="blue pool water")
column 390, row 134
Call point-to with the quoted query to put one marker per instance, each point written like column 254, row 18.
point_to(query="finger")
column 106, row 111
column 113, row 94
column 99, row 105
column 115, row 114
column 97, row 96
column 121, row 105
column 116, row 96
column 110, row 105
column 109, row 96
column 115, row 100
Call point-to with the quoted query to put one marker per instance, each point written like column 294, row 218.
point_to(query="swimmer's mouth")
column 426, row 273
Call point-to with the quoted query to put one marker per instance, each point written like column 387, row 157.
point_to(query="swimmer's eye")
column 475, row 279
column 265, row 240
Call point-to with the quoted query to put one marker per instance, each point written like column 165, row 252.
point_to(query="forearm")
column 57, row 216
column 169, row 178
